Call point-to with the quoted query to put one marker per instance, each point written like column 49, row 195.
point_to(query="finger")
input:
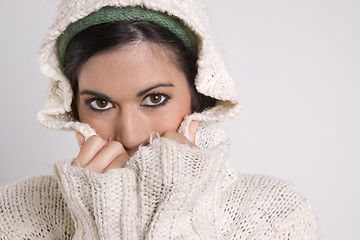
column 178, row 137
column 119, row 162
column 89, row 150
column 193, row 126
column 80, row 139
column 109, row 153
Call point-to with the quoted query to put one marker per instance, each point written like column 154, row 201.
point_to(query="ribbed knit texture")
column 167, row 190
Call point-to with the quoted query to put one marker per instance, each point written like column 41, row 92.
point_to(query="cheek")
column 101, row 127
column 99, row 124
column 171, row 118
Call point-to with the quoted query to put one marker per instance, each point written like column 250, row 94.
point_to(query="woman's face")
column 128, row 93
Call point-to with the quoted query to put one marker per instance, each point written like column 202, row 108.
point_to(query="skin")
column 126, row 95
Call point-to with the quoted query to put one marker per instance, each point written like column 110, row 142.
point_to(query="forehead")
column 130, row 67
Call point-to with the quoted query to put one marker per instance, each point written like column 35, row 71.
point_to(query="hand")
column 178, row 137
column 99, row 155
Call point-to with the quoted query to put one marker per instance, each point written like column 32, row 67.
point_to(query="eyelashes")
column 152, row 101
column 155, row 100
column 99, row 104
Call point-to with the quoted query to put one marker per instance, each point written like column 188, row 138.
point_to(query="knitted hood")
column 212, row 78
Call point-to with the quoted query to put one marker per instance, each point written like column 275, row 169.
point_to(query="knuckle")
column 96, row 140
column 116, row 145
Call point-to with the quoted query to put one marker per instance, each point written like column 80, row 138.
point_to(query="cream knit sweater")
column 167, row 190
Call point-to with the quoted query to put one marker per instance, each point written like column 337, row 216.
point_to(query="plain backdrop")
column 297, row 69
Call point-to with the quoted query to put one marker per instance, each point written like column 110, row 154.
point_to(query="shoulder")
column 263, row 207
column 33, row 207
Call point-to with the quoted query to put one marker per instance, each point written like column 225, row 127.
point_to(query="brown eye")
column 99, row 104
column 155, row 100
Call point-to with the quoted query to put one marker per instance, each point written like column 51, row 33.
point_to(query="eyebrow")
column 96, row 94
column 139, row 94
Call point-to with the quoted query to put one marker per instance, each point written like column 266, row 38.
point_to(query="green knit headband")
column 110, row 14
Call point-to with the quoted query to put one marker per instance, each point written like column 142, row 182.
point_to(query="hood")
column 212, row 78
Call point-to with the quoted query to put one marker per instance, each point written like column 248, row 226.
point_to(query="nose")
column 132, row 129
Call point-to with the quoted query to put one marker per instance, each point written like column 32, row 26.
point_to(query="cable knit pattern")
column 172, row 187
column 167, row 190
column 103, row 205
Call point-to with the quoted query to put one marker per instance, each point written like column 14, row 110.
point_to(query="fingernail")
column 193, row 126
column 80, row 139
column 153, row 136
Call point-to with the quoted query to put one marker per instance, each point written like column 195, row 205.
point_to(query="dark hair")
column 109, row 36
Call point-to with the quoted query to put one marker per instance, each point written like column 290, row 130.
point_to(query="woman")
column 143, row 86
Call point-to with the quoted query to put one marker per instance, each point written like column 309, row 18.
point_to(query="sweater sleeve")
column 34, row 209
column 103, row 206
column 262, row 207
column 177, row 188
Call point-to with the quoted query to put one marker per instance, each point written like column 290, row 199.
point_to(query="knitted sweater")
column 167, row 190
column 156, row 196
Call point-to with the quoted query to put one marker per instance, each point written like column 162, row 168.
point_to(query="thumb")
column 80, row 139
column 193, row 126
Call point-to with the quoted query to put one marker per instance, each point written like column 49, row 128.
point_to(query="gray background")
column 297, row 68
